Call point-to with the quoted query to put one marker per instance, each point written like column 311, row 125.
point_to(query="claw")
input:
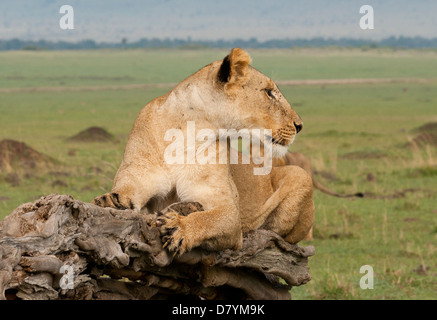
column 160, row 222
column 170, row 231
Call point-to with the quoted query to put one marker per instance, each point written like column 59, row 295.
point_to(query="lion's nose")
column 298, row 126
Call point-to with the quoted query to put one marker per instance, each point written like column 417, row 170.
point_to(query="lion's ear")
column 234, row 67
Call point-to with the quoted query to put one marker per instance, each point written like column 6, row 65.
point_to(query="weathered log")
column 61, row 248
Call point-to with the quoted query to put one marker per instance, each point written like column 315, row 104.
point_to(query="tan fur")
column 225, row 94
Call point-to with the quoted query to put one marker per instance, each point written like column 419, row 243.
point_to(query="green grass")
column 101, row 67
column 350, row 131
column 112, row 67
column 345, row 63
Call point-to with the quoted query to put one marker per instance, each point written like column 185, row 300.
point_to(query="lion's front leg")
column 114, row 200
column 125, row 196
column 216, row 228
column 133, row 188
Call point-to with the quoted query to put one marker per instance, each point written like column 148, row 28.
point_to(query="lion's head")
column 249, row 99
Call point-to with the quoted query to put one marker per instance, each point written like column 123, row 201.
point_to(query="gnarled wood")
column 61, row 248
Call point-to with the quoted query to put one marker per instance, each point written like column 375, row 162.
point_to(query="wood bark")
column 61, row 248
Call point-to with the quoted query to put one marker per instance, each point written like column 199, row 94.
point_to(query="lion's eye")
column 270, row 93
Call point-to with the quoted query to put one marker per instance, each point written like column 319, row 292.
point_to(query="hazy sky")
column 106, row 20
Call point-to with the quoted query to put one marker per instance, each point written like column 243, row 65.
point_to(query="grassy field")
column 357, row 137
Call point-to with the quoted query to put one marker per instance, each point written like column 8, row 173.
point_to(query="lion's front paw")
column 113, row 200
column 174, row 236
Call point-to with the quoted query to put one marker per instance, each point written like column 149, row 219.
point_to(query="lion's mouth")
column 281, row 141
column 277, row 147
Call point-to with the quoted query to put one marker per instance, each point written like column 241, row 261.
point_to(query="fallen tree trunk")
column 61, row 248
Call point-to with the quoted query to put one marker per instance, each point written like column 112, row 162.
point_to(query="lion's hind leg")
column 292, row 205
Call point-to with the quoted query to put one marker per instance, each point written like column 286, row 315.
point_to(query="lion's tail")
column 300, row 160
column 324, row 189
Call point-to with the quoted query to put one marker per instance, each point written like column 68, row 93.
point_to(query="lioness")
column 228, row 94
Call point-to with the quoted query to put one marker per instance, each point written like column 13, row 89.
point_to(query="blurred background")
column 111, row 21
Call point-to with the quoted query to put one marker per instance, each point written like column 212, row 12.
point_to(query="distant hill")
column 211, row 20
column 391, row 42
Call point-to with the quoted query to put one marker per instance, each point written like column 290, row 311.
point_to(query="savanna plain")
column 65, row 117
